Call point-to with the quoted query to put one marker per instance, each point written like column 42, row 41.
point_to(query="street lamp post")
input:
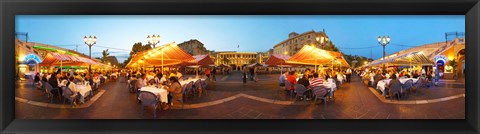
column 322, row 40
column 154, row 40
column 90, row 42
column 384, row 40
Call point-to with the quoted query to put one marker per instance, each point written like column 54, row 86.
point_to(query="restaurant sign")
column 33, row 57
column 440, row 57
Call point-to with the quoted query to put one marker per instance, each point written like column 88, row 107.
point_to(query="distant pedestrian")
column 207, row 73
column 214, row 71
column 252, row 72
column 244, row 77
column 437, row 77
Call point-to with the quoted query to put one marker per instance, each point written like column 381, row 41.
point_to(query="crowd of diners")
column 68, row 77
column 375, row 75
column 371, row 77
column 169, row 80
column 311, row 78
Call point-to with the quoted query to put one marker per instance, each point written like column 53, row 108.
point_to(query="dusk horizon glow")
column 253, row 33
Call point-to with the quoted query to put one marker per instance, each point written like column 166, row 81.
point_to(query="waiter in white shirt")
column 349, row 74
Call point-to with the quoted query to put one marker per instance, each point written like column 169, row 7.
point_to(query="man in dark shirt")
column 304, row 81
column 252, row 72
column 37, row 78
column 415, row 74
column 214, row 71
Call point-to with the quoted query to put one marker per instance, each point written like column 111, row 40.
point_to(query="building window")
column 308, row 36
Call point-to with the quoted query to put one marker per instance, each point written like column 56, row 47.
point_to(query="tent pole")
column 162, row 58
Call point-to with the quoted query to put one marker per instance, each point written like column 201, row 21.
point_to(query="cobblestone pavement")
column 353, row 101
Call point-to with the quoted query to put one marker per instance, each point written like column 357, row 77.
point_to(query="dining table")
column 161, row 92
column 83, row 90
column 186, row 81
column 383, row 83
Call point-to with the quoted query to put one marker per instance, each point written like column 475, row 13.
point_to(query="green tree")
column 453, row 63
column 105, row 55
column 137, row 47
column 331, row 47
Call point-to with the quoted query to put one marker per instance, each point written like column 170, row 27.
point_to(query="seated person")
column 393, row 86
column 142, row 82
column 174, row 90
column 292, row 79
column 71, row 84
column 316, row 81
column 415, row 74
column 304, row 81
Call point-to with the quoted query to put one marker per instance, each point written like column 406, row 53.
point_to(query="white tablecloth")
column 63, row 83
column 381, row 84
column 403, row 80
column 184, row 82
column 329, row 85
column 163, row 93
column 149, row 77
column 96, row 81
column 83, row 91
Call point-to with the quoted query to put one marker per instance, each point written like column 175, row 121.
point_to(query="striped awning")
column 169, row 54
column 277, row 59
column 257, row 65
column 55, row 59
column 310, row 55
column 413, row 58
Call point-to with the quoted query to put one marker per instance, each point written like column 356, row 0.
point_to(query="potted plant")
column 453, row 63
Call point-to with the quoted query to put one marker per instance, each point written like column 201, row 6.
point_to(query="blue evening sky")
column 224, row 33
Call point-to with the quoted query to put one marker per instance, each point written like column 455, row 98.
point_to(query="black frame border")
column 9, row 8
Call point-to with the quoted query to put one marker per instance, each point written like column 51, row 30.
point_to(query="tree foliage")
column 331, row 47
column 137, row 47
column 105, row 55
column 360, row 60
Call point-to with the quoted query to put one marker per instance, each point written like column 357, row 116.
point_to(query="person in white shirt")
column 161, row 80
column 71, row 84
column 349, row 74
column 142, row 82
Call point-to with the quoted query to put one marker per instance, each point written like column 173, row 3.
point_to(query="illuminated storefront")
column 27, row 61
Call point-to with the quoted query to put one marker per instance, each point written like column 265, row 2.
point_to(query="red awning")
column 276, row 59
column 55, row 59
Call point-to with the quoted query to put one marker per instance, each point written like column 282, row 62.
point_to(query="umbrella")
column 257, row 65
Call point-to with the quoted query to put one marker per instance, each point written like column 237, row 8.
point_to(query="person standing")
column 214, row 71
column 37, row 82
column 349, row 74
column 207, row 73
column 252, row 72
column 437, row 77
column 244, row 76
